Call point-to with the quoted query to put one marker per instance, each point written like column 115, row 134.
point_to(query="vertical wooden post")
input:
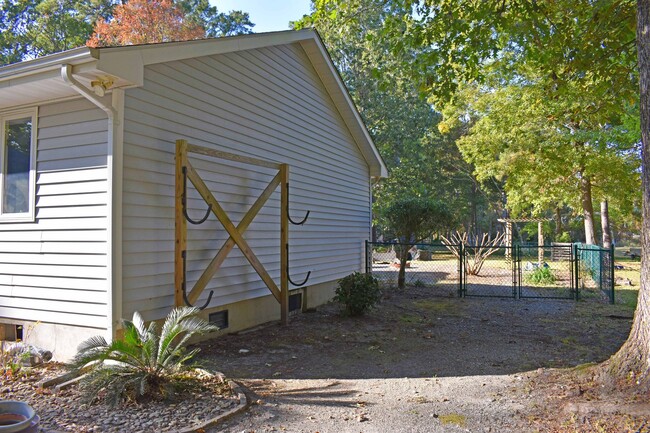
column 540, row 243
column 180, row 224
column 284, row 243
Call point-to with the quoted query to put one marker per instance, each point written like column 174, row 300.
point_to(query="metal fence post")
column 611, row 266
column 516, row 263
column 367, row 244
column 461, row 271
column 576, row 271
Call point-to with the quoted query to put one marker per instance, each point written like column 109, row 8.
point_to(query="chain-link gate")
column 492, row 276
column 546, row 272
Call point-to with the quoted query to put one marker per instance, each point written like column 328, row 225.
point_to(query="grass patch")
column 453, row 418
column 584, row 368
column 410, row 318
column 569, row 341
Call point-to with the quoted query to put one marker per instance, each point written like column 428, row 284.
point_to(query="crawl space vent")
column 220, row 319
column 295, row 302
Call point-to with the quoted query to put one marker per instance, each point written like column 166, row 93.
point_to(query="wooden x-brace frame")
column 184, row 168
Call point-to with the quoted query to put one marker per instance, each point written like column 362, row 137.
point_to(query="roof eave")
column 46, row 64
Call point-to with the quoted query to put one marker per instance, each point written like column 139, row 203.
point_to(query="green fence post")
column 576, row 271
column 611, row 266
column 461, row 270
column 367, row 256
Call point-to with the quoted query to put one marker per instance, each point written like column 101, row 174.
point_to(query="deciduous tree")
column 33, row 28
column 412, row 219
column 143, row 22
column 421, row 161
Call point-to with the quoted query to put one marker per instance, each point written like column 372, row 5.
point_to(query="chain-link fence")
column 595, row 269
column 430, row 269
column 489, row 272
column 557, row 271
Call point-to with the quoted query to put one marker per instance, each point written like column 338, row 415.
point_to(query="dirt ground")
column 419, row 363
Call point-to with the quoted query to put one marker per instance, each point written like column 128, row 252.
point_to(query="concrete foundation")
column 61, row 340
column 248, row 314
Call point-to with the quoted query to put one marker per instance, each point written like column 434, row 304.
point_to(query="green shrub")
column 564, row 237
column 144, row 363
column 540, row 276
column 358, row 293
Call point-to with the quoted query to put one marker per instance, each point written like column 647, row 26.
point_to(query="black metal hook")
column 291, row 220
column 184, row 201
column 289, row 276
column 187, row 301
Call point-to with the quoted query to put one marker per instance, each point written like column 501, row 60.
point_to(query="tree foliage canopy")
column 145, row 21
column 412, row 219
column 34, row 28
column 421, row 161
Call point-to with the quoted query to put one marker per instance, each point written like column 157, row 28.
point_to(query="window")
column 17, row 165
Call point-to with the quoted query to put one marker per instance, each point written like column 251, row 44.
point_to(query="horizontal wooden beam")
column 192, row 148
column 523, row 220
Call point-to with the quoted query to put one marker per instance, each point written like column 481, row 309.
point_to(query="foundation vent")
column 220, row 319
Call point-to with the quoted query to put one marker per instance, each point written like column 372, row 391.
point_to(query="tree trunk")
column 558, row 223
column 403, row 258
column 633, row 360
column 587, row 210
column 604, row 223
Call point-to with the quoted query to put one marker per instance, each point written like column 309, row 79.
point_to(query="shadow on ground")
column 412, row 335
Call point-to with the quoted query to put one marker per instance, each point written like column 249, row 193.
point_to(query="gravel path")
column 475, row 403
column 415, row 364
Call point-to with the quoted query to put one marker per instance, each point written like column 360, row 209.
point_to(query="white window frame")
column 4, row 117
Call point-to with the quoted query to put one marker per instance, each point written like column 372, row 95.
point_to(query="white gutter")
column 114, row 214
column 51, row 62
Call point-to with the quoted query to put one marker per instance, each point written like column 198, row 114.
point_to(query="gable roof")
column 39, row 80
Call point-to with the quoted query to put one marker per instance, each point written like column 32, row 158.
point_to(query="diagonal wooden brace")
column 234, row 233
column 218, row 260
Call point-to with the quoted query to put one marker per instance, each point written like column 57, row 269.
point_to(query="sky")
column 267, row 15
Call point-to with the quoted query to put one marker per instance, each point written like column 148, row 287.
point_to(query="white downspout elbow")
column 66, row 74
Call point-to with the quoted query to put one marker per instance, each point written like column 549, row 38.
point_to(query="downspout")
column 114, row 214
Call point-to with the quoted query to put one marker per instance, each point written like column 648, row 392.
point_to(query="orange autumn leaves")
column 144, row 22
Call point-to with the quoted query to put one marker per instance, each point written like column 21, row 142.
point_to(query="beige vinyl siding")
column 267, row 103
column 54, row 269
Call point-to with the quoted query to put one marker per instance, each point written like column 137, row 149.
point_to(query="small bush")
column 540, row 276
column 358, row 293
column 146, row 363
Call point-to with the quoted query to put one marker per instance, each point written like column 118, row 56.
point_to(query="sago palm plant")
column 144, row 363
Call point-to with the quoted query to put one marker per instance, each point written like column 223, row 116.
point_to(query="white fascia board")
column 44, row 65
column 329, row 75
column 149, row 54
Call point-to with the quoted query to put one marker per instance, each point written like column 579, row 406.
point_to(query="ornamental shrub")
column 540, row 277
column 145, row 363
column 358, row 293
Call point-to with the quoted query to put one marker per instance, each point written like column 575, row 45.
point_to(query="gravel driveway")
column 415, row 364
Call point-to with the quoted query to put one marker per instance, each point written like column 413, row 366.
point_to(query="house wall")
column 267, row 103
column 54, row 270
